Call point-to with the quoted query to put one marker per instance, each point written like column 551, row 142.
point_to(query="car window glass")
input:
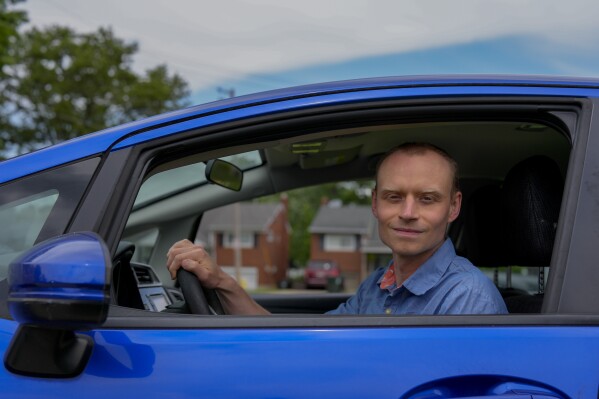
column 526, row 279
column 39, row 207
column 144, row 244
column 176, row 180
column 27, row 217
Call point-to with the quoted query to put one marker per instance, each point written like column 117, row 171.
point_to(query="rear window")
column 321, row 265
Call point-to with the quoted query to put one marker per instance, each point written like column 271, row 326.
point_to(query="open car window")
column 305, row 201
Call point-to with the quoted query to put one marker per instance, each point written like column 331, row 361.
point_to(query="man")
column 415, row 198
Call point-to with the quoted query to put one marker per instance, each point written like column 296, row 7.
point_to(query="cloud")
column 212, row 42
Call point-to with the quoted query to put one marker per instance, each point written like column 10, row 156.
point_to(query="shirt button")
column 388, row 311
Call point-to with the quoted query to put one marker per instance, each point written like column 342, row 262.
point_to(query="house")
column 349, row 236
column 263, row 254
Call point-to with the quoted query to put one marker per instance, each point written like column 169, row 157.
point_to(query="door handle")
column 483, row 387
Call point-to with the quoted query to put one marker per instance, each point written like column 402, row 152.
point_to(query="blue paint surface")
column 323, row 363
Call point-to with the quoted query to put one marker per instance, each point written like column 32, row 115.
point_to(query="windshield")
column 172, row 181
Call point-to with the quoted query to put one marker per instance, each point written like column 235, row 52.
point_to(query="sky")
column 222, row 47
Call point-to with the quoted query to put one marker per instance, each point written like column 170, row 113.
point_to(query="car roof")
column 307, row 96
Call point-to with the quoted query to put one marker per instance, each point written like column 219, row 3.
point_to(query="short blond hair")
column 418, row 148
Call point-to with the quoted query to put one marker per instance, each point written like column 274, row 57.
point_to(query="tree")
column 10, row 20
column 155, row 93
column 65, row 84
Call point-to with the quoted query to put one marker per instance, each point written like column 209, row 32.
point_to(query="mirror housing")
column 224, row 173
column 58, row 286
column 63, row 282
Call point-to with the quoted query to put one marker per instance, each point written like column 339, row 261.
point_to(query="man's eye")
column 427, row 199
column 394, row 198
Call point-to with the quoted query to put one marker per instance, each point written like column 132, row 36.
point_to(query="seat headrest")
column 530, row 202
column 481, row 239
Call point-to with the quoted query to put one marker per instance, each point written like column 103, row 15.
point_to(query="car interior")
column 511, row 175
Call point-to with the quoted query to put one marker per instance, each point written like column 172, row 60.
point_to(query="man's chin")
column 407, row 250
column 414, row 250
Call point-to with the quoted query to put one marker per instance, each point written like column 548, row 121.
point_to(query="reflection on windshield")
column 185, row 177
column 170, row 181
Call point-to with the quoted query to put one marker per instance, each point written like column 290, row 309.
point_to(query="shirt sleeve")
column 351, row 306
column 356, row 303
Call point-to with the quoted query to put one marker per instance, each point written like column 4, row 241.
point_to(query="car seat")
column 530, row 203
column 481, row 239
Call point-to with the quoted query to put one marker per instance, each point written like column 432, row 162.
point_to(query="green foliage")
column 304, row 204
column 155, row 93
column 65, row 84
column 10, row 20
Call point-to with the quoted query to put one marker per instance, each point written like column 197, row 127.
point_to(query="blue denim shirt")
column 444, row 284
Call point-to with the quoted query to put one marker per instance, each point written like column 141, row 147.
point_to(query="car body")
column 83, row 287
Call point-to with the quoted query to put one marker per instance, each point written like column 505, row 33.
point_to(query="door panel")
column 330, row 362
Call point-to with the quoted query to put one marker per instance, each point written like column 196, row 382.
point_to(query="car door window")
column 40, row 207
column 28, row 216
column 205, row 212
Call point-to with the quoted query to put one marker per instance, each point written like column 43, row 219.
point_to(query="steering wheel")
column 198, row 299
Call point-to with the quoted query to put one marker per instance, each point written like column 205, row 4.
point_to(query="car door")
column 546, row 355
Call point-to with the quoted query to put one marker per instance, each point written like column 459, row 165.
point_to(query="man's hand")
column 194, row 259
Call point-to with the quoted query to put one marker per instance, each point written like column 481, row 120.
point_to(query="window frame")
column 547, row 109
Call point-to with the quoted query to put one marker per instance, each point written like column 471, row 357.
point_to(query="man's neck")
column 405, row 266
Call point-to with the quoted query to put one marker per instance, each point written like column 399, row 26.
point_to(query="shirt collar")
column 426, row 276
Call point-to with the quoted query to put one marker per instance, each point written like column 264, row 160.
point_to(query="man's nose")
column 409, row 209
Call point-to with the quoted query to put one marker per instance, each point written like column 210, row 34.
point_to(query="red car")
column 322, row 274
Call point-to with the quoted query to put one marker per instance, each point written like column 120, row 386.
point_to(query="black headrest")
column 481, row 239
column 530, row 202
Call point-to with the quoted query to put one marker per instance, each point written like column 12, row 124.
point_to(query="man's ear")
column 373, row 205
column 455, row 206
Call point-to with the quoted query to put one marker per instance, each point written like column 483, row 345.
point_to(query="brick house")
column 349, row 236
column 264, row 252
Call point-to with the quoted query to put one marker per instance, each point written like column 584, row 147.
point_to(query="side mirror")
column 58, row 286
column 224, row 174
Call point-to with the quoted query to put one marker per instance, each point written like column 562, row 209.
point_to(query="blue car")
column 88, row 308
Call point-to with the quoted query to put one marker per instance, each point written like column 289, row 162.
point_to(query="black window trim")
column 127, row 318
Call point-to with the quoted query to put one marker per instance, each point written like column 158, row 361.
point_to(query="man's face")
column 413, row 203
